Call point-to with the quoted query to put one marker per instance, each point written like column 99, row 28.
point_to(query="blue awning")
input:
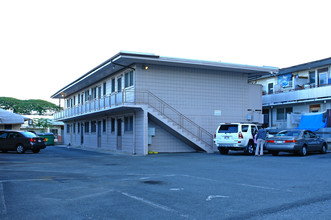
column 312, row 122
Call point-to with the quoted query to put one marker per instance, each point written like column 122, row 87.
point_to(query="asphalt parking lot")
column 68, row 183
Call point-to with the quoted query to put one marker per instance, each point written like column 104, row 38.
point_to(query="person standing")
column 255, row 140
column 260, row 137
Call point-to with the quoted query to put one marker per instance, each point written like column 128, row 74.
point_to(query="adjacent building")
column 296, row 90
column 139, row 103
column 10, row 120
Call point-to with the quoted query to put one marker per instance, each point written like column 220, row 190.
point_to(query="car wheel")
column 303, row 151
column 224, row 150
column 250, row 149
column 35, row 151
column 324, row 149
column 274, row 153
column 20, row 149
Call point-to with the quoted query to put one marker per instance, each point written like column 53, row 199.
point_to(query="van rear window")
column 228, row 129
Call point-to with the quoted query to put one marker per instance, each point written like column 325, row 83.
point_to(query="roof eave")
column 126, row 59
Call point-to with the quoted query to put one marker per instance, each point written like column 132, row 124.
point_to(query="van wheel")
column 250, row 149
column 223, row 150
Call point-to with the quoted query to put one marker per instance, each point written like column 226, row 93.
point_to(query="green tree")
column 43, row 123
column 26, row 107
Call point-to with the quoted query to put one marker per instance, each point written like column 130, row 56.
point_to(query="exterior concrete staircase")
column 176, row 123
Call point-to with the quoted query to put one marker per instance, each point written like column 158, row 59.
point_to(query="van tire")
column 250, row 149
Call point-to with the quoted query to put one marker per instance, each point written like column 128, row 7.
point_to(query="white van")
column 235, row 136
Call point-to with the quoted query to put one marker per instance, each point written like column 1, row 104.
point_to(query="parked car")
column 296, row 140
column 20, row 141
column 235, row 136
column 271, row 132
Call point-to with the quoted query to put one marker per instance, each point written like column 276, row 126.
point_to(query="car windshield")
column 288, row 133
column 228, row 129
column 29, row 134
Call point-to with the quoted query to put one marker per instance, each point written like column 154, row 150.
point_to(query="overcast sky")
column 45, row 45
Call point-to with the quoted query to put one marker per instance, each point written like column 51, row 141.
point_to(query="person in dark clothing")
column 260, row 137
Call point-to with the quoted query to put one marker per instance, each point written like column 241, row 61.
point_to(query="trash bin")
column 48, row 136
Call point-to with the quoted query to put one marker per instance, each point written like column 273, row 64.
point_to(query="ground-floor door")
column 119, row 134
column 99, row 133
column 82, row 134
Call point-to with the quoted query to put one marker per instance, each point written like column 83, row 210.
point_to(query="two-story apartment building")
column 136, row 103
column 296, row 90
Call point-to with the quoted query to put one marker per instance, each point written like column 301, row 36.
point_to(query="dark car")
column 20, row 141
column 297, row 141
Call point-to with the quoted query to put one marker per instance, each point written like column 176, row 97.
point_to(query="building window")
column 87, row 127
column 68, row 128
column 323, row 76
column 74, row 127
column 104, row 125
column 93, row 126
column 119, row 84
column 94, row 93
column 87, row 95
column 78, row 99
column 99, row 92
column 128, row 123
column 128, row 79
column 113, row 125
column 104, row 88
column 112, row 85
column 282, row 113
column 270, row 88
column 315, row 108
column 8, row 127
column 312, row 77
column 78, row 127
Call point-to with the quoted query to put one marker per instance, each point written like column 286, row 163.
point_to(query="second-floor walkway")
column 298, row 95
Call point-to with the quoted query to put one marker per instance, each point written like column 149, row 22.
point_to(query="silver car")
column 295, row 140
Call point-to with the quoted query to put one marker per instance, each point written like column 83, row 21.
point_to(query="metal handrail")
column 132, row 96
column 181, row 118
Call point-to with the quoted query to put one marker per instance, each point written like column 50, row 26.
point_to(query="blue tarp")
column 312, row 122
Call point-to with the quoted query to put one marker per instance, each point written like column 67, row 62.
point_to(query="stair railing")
column 180, row 120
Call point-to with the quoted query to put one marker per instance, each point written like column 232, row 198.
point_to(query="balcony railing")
column 105, row 102
column 297, row 95
column 134, row 97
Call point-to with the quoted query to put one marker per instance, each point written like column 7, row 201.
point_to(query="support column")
column 141, row 132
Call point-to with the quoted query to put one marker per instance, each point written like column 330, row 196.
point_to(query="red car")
column 20, row 141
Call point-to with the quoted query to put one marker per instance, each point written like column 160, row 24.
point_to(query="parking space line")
column 25, row 180
column 154, row 204
column 262, row 187
column 47, row 171
column 216, row 196
column 3, row 208
column 239, row 184
column 92, row 195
